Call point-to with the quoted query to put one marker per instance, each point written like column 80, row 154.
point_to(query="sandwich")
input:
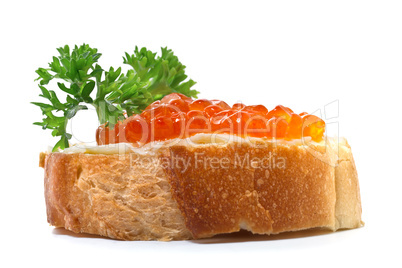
column 168, row 166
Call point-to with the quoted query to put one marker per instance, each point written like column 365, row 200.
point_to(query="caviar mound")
column 178, row 116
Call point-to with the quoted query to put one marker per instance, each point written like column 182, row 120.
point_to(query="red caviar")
column 178, row 116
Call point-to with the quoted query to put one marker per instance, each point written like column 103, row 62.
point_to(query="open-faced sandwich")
column 168, row 166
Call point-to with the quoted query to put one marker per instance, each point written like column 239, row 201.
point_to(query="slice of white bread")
column 193, row 188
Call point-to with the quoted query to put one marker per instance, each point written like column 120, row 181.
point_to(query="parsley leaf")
column 117, row 94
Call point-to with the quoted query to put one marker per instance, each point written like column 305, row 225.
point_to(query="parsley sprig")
column 117, row 94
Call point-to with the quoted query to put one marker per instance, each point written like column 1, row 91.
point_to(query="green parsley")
column 78, row 74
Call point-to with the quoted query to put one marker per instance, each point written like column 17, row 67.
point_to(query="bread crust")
column 184, row 192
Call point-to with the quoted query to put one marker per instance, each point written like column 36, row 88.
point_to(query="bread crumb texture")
column 111, row 196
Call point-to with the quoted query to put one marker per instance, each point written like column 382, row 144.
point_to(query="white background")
column 302, row 54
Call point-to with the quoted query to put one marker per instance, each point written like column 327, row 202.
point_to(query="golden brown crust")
column 42, row 158
column 216, row 198
column 348, row 205
column 184, row 192
column 270, row 189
